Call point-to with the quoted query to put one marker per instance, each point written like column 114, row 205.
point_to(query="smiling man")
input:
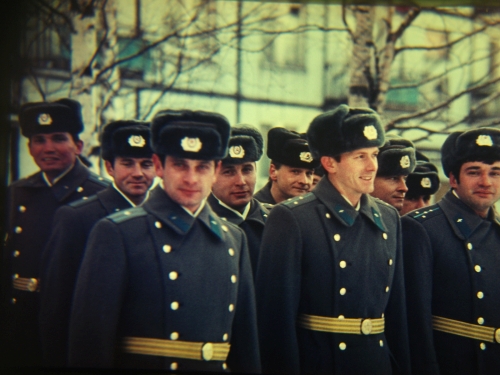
column 232, row 194
column 52, row 130
column 291, row 169
column 127, row 154
column 330, row 287
column 452, row 260
column 168, row 285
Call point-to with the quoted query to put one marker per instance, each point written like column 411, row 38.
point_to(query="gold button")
column 22, row 209
column 225, row 337
column 158, row 224
column 85, row 198
column 341, row 317
column 336, row 237
column 386, row 289
column 13, row 301
column 295, row 202
column 174, row 366
column 224, row 366
column 173, row 275
column 343, row 264
column 480, row 295
column 390, row 262
column 18, row 230
column 15, row 276
column 16, row 253
column 384, row 235
column 127, row 213
column 231, row 307
column 383, row 315
column 342, row 346
column 167, row 248
column 224, row 228
column 343, row 291
column 207, row 351
column 480, row 320
column 328, row 216
column 469, row 246
column 32, row 285
column 381, row 342
column 482, row 346
column 80, row 189
column 497, row 335
column 477, row 268
column 174, row 336
column 174, row 305
column 366, row 326
column 231, row 251
column 233, row 279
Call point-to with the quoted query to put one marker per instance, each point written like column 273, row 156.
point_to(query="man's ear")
column 158, row 165
column 79, row 147
column 453, row 181
column 329, row 164
column 109, row 167
column 273, row 172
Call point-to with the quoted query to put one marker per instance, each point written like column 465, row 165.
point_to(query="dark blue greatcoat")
column 32, row 205
column 452, row 269
column 320, row 256
column 253, row 225
column 157, row 272
column 60, row 264
column 264, row 195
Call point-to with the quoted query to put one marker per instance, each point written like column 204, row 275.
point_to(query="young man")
column 291, row 169
column 396, row 160
column 126, row 150
column 451, row 254
column 168, row 285
column 52, row 130
column 318, row 173
column 232, row 194
column 330, row 288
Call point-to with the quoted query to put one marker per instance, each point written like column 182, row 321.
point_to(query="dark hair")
column 455, row 169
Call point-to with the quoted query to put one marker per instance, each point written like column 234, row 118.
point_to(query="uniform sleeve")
column 278, row 292
column 418, row 265
column 98, row 298
column 244, row 356
column 60, row 263
column 396, row 325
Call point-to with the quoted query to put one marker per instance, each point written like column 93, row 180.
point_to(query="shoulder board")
column 98, row 179
column 301, row 199
column 425, row 213
column 83, row 201
column 128, row 214
column 380, row 201
column 268, row 206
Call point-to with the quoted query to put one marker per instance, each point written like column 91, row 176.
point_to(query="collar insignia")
column 191, row 144
column 405, row 161
column 484, row 140
column 44, row 119
column 236, row 152
column 306, row 156
column 426, row 182
column 136, row 141
column 370, row 132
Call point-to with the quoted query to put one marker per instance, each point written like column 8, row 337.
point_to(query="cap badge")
column 484, row 140
column 236, row 152
column 306, row 156
column 405, row 161
column 44, row 119
column 370, row 132
column 191, row 144
column 426, row 182
column 136, row 141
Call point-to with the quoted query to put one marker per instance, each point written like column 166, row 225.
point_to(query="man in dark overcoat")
column 452, row 258
column 127, row 154
column 291, row 168
column 52, row 130
column 168, row 285
column 232, row 193
column 330, row 287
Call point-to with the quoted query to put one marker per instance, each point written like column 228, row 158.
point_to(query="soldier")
column 396, row 160
column 232, row 194
column 126, row 150
column 422, row 183
column 168, row 285
column 291, row 169
column 318, row 173
column 452, row 260
column 52, row 130
column 330, row 288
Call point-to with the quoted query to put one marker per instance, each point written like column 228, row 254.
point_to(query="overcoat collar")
column 112, row 200
column 257, row 211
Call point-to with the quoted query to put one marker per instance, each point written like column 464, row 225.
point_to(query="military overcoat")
column 452, row 263
column 156, row 272
column 32, row 205
column 321, row 257
column 60, row 264
column 264, row 195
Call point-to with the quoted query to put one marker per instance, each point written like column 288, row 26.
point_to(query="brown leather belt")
column 472, row 331
column 201, row 351
column 342, row 325
column 26, row 284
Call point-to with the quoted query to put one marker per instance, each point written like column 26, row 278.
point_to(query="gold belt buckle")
column 366, row 326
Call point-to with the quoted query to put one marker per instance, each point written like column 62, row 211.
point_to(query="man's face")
column 235, row 184
column 415, row 203
column 133, row 176
column 355, row 173
column 479, row 185
column 186, row 181
column 391, row 189
column 54, row 152
column 290, row 181
column 315, row 181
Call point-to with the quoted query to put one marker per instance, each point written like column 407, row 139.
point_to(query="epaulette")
column 82, row 201
column 98, row 179
column 268, row 206
column 124, row 215
column 301, row 199
column 425, row 213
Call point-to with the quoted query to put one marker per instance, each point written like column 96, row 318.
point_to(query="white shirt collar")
column 357, row 207
column 128, row 199
column 58, row 177
column 243, row 214
column 197, row 212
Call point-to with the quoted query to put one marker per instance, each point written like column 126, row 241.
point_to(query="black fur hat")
column 289, row 148
column 424, row 180
column 396, row 157
column 63, row 115
column 344, row 129
column 482, row 144
column 245, row 144
column 190, row 134
column 126, row 139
